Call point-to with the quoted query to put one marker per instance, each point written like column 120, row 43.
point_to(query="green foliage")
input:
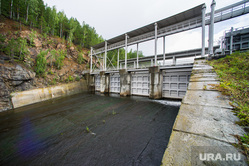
column 16, row 48
column 41, row 63
column 70, row 78
column 80, row 58
column 32, row 36
column 87, row 129
column 23, row 48
column 60, row 58
column 53, row 82
column 77, row 78
column 234, row 73
column 48, row 20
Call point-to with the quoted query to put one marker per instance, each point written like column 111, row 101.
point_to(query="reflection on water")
column 127, row 131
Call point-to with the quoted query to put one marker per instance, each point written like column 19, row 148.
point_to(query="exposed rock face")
column 13, row 78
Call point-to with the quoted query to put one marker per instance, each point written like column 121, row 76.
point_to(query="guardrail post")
column 203, row 30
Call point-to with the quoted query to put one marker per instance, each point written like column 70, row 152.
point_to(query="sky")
column 111, row 18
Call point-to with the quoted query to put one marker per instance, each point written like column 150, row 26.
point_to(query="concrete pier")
column 156, row 79
column 125, row 82
column 104, row 82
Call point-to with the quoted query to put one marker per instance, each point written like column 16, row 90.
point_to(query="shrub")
column 59, row 59
column 80, row 58
column 77, row 78
column 41, row 63
column 32, row 36
column 23, row 48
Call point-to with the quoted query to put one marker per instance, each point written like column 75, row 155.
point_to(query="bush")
column 32, row 36
column 41, row 63
column 59, row 59
column 23, row 48
column 80, row 58
column 77, row 78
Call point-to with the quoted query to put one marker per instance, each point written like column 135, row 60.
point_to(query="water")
column 122, row 131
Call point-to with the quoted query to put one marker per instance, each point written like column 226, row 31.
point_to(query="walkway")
column 204, row 119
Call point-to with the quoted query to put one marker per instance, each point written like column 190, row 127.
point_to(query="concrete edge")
column 28, row 97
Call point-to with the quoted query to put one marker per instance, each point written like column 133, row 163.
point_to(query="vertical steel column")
column 118, row 61
column 155, row 44
column 163, row 50
column 105, row 54
column 91, row 63
column 103, row 66
column 134, row 65
column 211, row 30
column 126, row 49
column 151, row 62
column 174, row 60
column 203, row 30
column 231, row 41
column 137, row 57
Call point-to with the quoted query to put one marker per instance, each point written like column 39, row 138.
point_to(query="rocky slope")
column 18, row 74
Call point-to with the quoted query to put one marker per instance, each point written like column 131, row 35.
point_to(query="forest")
column 48, row 20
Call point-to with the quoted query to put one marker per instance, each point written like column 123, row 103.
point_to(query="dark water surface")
column 123, row 131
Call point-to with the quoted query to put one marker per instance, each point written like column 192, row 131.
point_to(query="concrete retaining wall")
column 205, row 120
column 23, row 98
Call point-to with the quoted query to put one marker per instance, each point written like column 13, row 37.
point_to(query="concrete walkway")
column 205, row 119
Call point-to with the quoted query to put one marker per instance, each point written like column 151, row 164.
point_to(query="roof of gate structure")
column 188, row 14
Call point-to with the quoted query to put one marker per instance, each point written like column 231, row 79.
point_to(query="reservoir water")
column 87, row 129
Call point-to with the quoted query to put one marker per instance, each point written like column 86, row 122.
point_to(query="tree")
column 11, row 6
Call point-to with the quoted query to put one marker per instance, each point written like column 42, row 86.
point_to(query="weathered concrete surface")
column 156, row 79
column 104, row 82
column 125, row 82
column 23, row 98
column 90, row 80
column 205, row 118
column 178, row 152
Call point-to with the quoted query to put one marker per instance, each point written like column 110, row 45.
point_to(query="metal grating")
column 175, row 84
column 140, row 84
column 115, row 83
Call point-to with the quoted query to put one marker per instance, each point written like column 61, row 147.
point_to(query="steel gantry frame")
column 187, row 20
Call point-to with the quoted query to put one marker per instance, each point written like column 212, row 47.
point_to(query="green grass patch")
column 233, row 71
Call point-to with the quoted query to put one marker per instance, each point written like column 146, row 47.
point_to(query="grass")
column 233, row 71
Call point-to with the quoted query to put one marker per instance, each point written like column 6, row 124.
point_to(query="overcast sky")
column 115, row 17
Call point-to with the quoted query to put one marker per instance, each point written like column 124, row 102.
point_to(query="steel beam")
column 105, row 55
column 137, row 57
column 203, row 30
column 126, row 50
column 118, row 61
column 91, row 63
column 163, row 50
column 155, row 44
